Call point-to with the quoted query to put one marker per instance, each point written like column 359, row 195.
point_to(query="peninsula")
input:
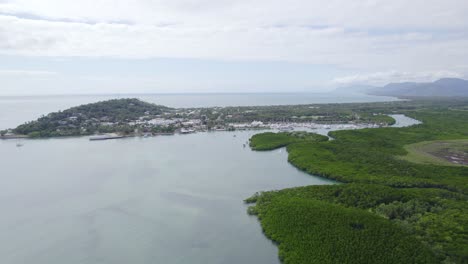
column 133, row 117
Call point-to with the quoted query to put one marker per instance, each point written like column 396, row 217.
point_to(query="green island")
column 387, row 209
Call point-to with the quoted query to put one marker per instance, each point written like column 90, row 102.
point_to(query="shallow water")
column 167, row 199
column 404, row 121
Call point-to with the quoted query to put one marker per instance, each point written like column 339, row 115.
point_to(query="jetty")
column 13, row 136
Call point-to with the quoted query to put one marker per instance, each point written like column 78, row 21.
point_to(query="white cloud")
column 368, row 14
column 418, row 37
column 382, row 78
column 328, row 45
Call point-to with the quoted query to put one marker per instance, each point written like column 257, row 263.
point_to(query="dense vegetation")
column 399, row 210
column 327, row 113
column 369, row 155
column 106, row 116
column 350, row 224
column 269, row 140
column 317, row 113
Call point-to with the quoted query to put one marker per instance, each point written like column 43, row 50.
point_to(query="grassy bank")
column 438, row 152
column 402, row 211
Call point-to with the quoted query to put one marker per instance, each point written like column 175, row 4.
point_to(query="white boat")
column 105, row 137
column 186, row 131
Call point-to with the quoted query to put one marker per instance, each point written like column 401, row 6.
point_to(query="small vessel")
column 186, row 131
column 19, row 144
column 105, row 137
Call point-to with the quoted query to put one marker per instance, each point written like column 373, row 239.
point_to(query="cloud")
column 382, row 78
column 418, row 38
column 317, row 45
column 353, row 14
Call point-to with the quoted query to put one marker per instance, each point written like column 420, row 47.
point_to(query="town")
column 131, row 117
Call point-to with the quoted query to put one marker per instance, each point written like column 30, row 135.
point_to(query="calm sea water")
column 168, row 199
column 16, row 110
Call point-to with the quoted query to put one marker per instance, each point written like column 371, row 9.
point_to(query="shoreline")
column 277, row 126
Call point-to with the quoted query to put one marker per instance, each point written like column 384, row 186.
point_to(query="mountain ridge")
column 445, row 87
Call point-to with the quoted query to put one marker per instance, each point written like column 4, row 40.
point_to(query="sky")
column 191, row 46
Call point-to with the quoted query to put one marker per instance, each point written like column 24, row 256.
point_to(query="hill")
column 105, row 116
column 443, row 87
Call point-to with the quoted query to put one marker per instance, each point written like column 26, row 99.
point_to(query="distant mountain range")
column 442, row 87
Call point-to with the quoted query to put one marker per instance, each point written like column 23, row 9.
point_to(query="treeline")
column 423, row 202
column 330, row 113
column 270, row 140
column 350, row 224
column 319, row 113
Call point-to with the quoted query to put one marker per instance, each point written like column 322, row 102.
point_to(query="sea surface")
column 166, row 199
column 15, row 110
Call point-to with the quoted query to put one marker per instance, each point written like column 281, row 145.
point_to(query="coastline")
column 277, row 126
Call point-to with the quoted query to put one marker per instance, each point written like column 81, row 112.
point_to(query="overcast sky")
column 173, row 46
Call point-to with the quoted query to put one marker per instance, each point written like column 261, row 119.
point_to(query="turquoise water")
column 167, row 199
column 19, row 109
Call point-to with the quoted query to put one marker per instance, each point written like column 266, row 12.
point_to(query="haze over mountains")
column 442, row 87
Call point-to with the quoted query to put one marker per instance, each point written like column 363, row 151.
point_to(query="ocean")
column 166, row 199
